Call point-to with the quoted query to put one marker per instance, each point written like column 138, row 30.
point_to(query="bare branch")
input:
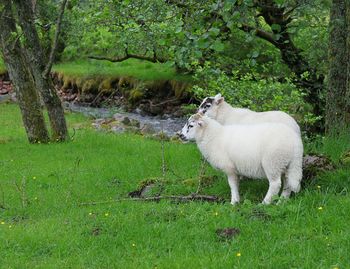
column 187, row 198
column 153, row 59
column 54, row 46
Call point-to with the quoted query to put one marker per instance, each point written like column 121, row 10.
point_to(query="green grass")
column 134, row 68
column 53, row 231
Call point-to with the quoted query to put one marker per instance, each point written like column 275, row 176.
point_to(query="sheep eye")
column 190, row 126
column 207, row 105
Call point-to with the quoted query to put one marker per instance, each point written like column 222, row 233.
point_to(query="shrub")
column 254, row 92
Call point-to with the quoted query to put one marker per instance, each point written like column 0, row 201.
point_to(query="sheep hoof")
column 234, row 203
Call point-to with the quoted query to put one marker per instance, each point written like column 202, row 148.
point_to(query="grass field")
column 134, row 68
column 43, row 225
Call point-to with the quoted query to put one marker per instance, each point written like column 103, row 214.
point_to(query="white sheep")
column 265, row 150
column 217, row 109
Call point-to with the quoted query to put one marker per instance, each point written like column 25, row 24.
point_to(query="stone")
column 126, row 121
column 147, row 129
column 118, row 129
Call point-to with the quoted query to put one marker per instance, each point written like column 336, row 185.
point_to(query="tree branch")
column 260, row 33
column 153, row 59
column 54, row 46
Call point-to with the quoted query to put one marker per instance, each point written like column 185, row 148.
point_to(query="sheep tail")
column 294, row 175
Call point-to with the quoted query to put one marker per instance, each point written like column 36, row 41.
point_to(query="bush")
column 254, row 92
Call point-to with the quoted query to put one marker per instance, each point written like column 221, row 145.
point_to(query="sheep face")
column 192, row 126
column 210, row 106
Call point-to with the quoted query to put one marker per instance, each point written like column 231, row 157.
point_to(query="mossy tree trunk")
column 26, row 93
column 37, row 61
column 338, row 103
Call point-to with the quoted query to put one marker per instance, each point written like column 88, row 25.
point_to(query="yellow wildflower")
column 216, row 214
column 106, row 214
column 320, row 208
column 133, row 245
column 238, row 254
column 34, row 177
column 2, row 223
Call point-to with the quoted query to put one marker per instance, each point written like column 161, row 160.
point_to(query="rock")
column 5, row 98
column 227, row 233
column 135, row 123
column 118, row 129
column 126, row 121
column 147, row 129
column 315, row 164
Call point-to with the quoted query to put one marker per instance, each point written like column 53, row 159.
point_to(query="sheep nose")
column 181, row 136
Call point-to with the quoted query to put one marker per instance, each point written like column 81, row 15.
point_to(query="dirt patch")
column 227, row 233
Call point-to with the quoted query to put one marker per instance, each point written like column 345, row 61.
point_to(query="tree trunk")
column 27, row 96
column 291, row 55
column 338, row 105
column 37, row 61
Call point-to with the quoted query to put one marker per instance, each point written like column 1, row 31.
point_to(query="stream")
column 167, row 124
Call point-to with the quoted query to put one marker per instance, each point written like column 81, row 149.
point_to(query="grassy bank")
column 130, row 68
column 43, row 226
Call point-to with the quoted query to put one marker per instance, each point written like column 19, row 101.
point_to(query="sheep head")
column 210, row 106
column 194, row 124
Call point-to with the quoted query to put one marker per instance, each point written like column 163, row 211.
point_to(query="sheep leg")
column 286, row 189
column 233, row 181
column 274, row 188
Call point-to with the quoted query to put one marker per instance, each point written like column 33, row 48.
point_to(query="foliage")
column 254, row 92
column 192, row 31
column 2, row 66
column 51, row 230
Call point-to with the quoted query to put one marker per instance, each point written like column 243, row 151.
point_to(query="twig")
column 187, row 198
column 2, row 204
column 55, row 42
column 201, row 173
column 128, row 55
column 164, row 169
column 72, row 137
column 162, row 103
column 22, row 191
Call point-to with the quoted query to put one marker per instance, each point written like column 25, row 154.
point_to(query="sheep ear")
column 218, row 99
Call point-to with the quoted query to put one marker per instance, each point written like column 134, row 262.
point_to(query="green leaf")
column 255, row 54
column 203, row 43
column 214, row 31
column 218, row 46
column 276, row 27
column 162, row 42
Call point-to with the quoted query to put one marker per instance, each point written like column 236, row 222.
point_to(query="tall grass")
column 43, row 225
